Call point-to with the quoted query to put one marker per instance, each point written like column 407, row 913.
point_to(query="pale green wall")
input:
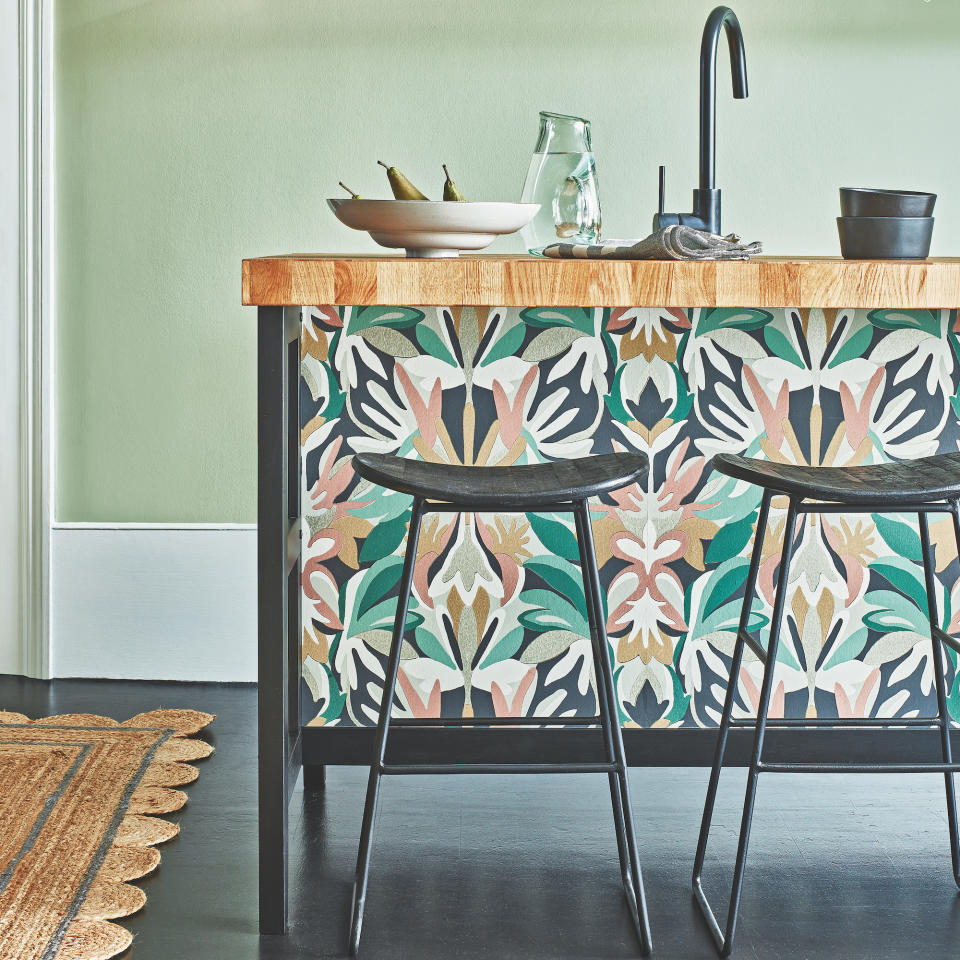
column 192, row 133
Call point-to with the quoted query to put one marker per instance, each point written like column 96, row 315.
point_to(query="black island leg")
column 278, row 586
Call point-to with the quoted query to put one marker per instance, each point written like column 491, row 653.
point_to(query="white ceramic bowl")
column 433, row 228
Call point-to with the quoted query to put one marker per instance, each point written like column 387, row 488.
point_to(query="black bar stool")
column 927, row 485
column 562, row 486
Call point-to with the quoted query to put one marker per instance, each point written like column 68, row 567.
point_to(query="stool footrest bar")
column 858, row 767
column 415, row 768
column 751, row 641
column 878, row 506
column 454, row 722
column 828, row 722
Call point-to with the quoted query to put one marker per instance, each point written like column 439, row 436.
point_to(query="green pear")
column 450, row 190
column 402, row 188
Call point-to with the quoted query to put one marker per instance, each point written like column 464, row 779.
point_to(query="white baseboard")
column 154, row 601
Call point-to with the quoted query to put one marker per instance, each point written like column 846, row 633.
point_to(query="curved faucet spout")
column 706, row 198
column 721, row 17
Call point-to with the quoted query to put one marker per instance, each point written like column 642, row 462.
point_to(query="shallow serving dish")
column 433, row 228
column 868, row 202
column 885, row 238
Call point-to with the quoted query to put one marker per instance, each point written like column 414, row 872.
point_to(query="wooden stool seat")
column 926, row 479
column 530, row 485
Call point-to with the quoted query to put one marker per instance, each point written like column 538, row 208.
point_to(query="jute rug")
column 80, row 804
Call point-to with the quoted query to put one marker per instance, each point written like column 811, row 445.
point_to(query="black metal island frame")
column 283, row 287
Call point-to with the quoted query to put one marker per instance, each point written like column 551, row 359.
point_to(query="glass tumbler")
column 562, row 178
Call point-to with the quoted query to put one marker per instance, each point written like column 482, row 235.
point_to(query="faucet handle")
column 661, row 219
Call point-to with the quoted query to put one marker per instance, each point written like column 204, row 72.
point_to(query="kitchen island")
column 501, row 360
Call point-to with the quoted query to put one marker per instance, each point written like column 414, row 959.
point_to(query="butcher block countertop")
column 505, row 281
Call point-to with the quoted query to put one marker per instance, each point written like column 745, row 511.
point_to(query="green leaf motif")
column 506, row 345
column 730, row 540
column 504, row 648
column 926, row 320
column 850, row 649
column 781, row 347
column 681, row 700
column 903, row 576
column 899, row 536
column 560, row 575
column 718, row 318
column 614, row 399
column 729, row 579
column 550, row 611
column 378, row 580
column 557, row 537
column 681, row 409
column 433, row 346
column 398, row 317
column 382, row 615
column 383, row 539
column 581, row 318
column 334, row 708
column 853, row 348
column 431, row 647
column 892, row 611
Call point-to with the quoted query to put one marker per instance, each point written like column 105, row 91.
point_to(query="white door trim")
column 36, row 316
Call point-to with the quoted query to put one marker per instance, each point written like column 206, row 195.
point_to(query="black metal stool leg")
column 724, row 939
column 939, row 679
column 383, row 726
column 730, row 698
column 607, row 711
column 610, row 720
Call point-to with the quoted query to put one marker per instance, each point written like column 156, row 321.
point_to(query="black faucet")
column 706, row 199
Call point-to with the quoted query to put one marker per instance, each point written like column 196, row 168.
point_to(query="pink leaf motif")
column 857, row 416
column 417, row 707
column 777, row 700
column 328, row 615
column 330, row 485
column 772, row 415
column 509, row 568
column 682, row 476
column 500, row 706
column 331, row 315
column 427, row 413
column 509, row 414
column 859, row 707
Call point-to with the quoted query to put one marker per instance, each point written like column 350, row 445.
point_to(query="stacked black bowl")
column 885, row 224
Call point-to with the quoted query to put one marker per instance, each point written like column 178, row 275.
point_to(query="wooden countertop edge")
column 324, row 279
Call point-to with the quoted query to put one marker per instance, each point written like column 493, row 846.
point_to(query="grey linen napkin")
column 675, row 242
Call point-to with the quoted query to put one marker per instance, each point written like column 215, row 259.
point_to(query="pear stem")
column 353, row 193
column 382, row 164
column 446, row 171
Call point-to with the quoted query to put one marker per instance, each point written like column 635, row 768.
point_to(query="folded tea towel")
column 675, row 242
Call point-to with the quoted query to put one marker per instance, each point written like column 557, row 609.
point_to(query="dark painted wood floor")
column 525, row 867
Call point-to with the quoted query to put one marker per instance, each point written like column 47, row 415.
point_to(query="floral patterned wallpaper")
column 497, row 621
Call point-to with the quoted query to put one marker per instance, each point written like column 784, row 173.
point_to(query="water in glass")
column 562, row 178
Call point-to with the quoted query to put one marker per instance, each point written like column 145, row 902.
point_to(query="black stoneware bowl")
column 864, row 202
column 885, row 238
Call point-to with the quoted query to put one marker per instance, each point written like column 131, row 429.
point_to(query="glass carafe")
column 562, row 178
